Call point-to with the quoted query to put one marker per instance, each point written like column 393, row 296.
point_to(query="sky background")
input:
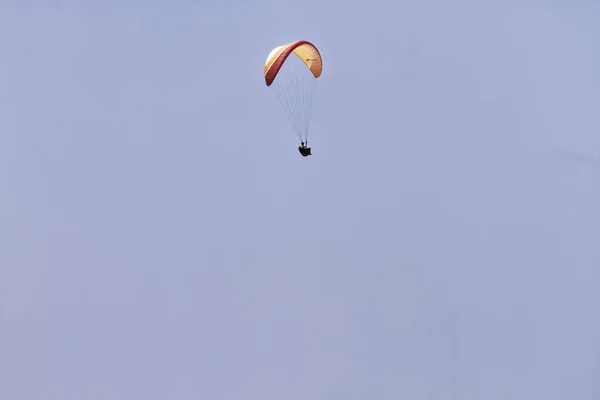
column 161, row 237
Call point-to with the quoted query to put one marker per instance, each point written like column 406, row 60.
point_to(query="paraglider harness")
column 305, row 151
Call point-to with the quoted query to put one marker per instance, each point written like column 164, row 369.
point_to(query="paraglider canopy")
column 307, row 52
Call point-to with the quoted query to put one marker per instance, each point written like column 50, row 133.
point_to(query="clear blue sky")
column 161, row 237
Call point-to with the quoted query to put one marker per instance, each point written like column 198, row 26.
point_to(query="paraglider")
column 295, row 81
column 305, row 151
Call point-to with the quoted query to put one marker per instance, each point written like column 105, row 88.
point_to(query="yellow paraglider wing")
column 306, row 51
